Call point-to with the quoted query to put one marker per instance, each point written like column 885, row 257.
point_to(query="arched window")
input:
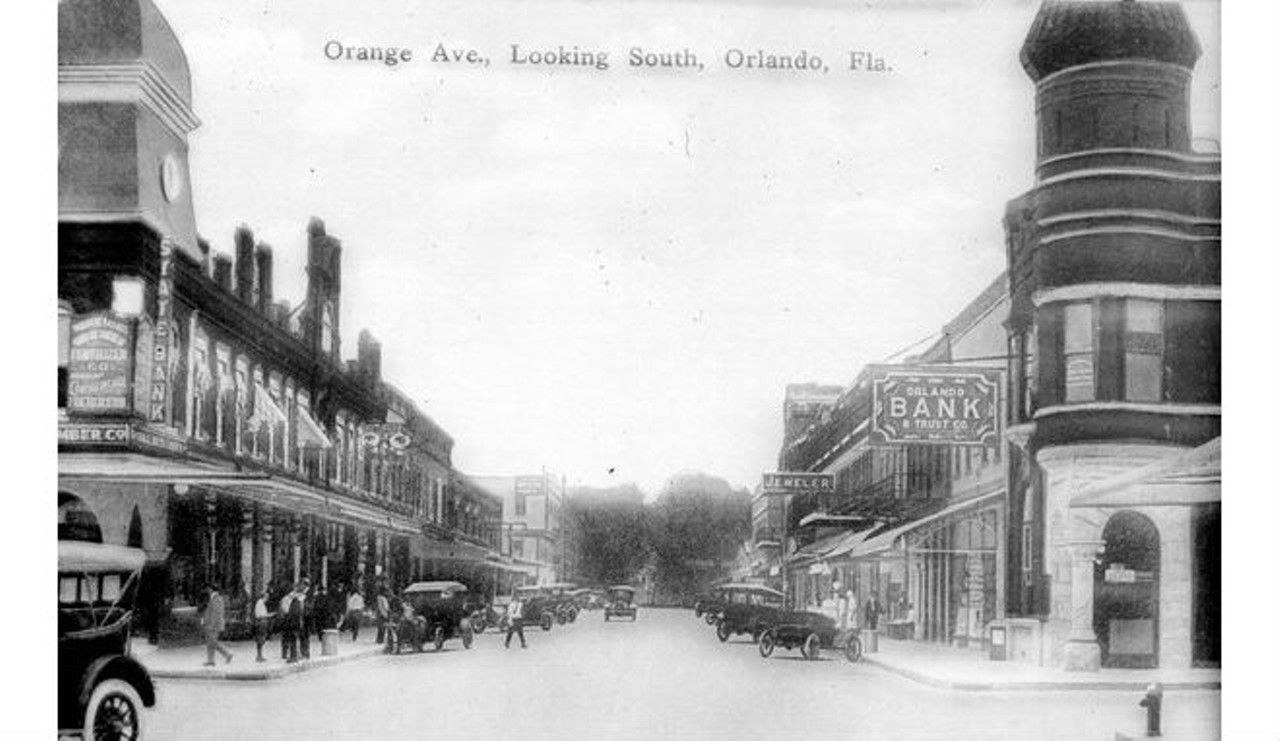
column 76, row 521
column 135, row 529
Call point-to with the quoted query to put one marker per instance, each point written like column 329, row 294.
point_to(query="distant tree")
column 609, row 533
column 697, row 525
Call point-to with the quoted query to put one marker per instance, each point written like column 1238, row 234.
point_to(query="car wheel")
column 697, row 611
column 546, row 621
column 114, row 712
column 766, row 644
column 812, row 647
column 573, row 616
column 438, row 637
column 468, row 637
column 853, row 649
column 478, row 624
column 711, row 618
column 722, row 632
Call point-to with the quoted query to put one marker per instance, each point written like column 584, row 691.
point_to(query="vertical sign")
column 163, row 338
column 142, row 355
column 99, row 365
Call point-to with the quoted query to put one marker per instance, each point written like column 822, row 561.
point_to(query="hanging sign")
column 100, row 365
column 784, row 482
column 935, row 404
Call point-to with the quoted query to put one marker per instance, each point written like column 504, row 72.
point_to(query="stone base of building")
column 1082, row 656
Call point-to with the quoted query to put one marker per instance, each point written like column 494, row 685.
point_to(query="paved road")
column 665, row 676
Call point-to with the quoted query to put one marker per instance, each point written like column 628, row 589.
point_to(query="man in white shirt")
column 355, row 607
column 515, row 622
column 261, row 623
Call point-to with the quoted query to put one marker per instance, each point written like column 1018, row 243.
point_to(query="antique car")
column 811, row 632
column 440, row 612
column 707, row 604
column 749, row 609
column 562, row 598
column 102, row 690
column 539, row 608
column 621, row 603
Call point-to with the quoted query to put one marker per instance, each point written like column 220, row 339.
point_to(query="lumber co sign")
column 942, row 405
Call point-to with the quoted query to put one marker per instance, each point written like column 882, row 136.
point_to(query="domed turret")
column 1068, row 34
column 124, row 113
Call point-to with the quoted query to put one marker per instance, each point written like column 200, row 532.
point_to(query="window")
column 1026, row 554
column 1143, row 350
column 1029, row 373
column 1077, row 351
column 64, row 350
column 520, row 508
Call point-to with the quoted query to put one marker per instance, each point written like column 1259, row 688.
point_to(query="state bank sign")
column 935, row 404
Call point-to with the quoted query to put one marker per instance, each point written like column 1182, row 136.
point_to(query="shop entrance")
column 1126, row 592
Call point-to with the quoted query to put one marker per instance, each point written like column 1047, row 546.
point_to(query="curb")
column 1048, row 685
column 276, row 672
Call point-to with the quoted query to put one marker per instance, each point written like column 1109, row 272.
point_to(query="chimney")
column 205, row 266
column 264, row 279
column 369, row 357
column 222, row 271
column 244, row 264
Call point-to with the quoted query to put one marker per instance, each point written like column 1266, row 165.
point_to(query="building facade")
column 201, row 419
column 1114, row 333
column 532, row 522
column 918, row 525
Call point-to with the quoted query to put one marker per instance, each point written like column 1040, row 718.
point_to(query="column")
column 1081, row 652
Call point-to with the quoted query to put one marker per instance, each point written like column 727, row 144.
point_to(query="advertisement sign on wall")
column 99, row 365
column 936, row 404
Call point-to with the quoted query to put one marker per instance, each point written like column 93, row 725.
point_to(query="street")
column 664, row 676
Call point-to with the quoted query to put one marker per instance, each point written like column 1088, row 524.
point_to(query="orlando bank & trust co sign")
column 944, row 405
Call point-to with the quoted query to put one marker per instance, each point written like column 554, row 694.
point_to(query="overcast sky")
column 614, row 274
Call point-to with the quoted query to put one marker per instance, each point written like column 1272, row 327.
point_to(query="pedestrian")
column 355, row 607
column 288, row 633
column 214, row 621
column 318, row 611
column 847, row 610
column 383, row 607
column 298, row 612
column 873, row 611
column 261, row 623
column 515, row 622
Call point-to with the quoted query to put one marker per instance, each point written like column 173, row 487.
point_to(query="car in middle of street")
column 442, row 612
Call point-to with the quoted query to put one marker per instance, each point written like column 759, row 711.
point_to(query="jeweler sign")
column 784, row 482
column 934, row 404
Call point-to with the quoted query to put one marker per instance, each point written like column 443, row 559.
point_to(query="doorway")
column 1126, row 592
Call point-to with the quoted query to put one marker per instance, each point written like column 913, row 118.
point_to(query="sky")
column 613, row 274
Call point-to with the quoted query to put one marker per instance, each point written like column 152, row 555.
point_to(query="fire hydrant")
column 1151, row 701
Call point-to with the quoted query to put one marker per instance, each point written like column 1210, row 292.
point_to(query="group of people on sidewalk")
column 844, row 609
column 300, row 611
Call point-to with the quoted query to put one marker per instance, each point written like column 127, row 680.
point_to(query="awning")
column 310, row 433
column 876, row 541
column 140, row 468
column 265, row 408
column 1191, row 477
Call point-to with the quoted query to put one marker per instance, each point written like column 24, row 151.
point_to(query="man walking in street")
column 214, row 622
column 515, row 622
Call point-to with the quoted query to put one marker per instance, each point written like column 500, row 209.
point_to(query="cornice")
column 138, row 82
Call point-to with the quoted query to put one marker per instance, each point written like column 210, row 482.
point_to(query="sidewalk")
column 187, row 662
column 949, row 667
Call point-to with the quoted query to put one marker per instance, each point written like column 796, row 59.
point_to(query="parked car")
column 539, row 609
column 811, row 632
column 442, row 611
column 102, row 690
column 749, row 609
column 621, row 603
column 708, row 604
column 562, row 598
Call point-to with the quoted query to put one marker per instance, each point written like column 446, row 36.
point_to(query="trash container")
column 999, row 648
column 870, row 641
column 329, row 642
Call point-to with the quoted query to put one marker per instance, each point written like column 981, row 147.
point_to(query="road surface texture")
column 664, row 676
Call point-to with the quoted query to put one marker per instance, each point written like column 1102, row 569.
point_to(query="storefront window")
column 1078, row 352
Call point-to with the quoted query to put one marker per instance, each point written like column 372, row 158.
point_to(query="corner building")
column 1114, row 329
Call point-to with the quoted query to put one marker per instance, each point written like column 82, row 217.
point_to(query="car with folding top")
column 440, row 612
column 102, row 689
column 621, row 603
column 747, row 609
column 812, row 633
column 539, row 606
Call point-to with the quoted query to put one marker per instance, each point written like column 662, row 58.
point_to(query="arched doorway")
column 1126, row 592
column 75, row 520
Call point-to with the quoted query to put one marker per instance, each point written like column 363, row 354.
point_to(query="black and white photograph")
column 640, row 369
